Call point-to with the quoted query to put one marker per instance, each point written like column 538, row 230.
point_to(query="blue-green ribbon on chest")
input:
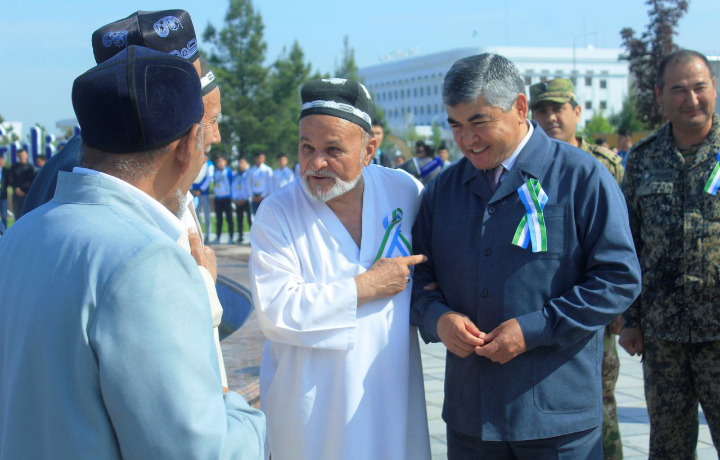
column 713, row 182
column 532, row 225
column 393, row 240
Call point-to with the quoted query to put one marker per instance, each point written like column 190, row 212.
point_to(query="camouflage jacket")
column 607, row 158
column 676, row 228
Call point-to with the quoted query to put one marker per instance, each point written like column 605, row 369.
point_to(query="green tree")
column 436, row 135
column 237, row 56
column 598, row 124
column 628, row 119
column 288, row 74
column 348, row 67
column 645, row 52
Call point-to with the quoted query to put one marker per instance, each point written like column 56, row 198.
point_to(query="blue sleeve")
column 610, row 281
column 158, row 367
column 427, row 306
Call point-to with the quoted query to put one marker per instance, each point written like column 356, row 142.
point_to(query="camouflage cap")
column 558, row 90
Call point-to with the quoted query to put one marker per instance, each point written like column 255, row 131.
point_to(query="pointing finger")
column 413, row 260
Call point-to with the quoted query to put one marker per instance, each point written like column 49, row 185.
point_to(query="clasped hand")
column 462, row 338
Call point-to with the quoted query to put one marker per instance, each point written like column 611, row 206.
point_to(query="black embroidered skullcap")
column 207, row 77
column 340, row 98
column 138, row 100
column 169, row 31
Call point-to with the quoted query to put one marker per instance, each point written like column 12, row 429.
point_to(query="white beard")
column 181, row 199
column 201, row 174
column 339, row 188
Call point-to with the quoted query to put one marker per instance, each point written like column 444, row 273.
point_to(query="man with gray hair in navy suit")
column 547, row 260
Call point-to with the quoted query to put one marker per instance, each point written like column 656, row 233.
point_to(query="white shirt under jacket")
column 337, row 380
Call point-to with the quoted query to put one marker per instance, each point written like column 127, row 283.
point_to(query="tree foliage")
column 237, row 59
column 628, row 119
column 348, row 67
column 286, row 77
column 598, row 124
column 645, row 52
column 260, row 103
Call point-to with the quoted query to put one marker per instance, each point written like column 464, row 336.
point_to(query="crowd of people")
column 524, row 258
column 18, row 178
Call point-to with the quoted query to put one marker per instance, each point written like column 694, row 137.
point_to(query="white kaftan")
column 338, row 381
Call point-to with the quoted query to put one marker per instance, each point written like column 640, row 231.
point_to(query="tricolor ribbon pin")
column 532, row 225
column 713, row 182
column 394, row 238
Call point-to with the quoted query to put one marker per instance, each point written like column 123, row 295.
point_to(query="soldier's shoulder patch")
column 607, row 154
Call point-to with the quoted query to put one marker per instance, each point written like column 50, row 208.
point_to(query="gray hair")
column 129, row 167
column 489, row 75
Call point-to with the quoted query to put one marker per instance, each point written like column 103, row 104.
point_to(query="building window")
column 588, row 105
column 429, row 109
column 429, row 90
column 528, row 80
column 422, row 110
column 396, row 94
column 603, row 105
column 436, row 89
column 558, row 74
column 437, row 109
column 588, row 78
column 603, row 84
column 421, row 91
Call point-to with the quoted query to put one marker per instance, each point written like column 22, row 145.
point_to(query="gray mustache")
column 320, row 173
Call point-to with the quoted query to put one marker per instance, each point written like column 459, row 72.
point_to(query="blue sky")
column 45, row 44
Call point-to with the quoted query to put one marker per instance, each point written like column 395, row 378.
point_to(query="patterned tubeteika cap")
column 168, row 31
column 138, row 100
column 340, row 98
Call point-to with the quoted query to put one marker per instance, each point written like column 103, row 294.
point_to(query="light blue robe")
column 106, row 346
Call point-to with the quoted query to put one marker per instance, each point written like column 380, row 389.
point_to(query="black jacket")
column 4, row 183
column 22, row 175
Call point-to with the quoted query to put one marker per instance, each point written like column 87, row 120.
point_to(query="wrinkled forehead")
column 328, row 129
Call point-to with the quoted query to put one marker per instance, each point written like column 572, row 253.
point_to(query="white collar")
column 510, row 161
column 165, row 220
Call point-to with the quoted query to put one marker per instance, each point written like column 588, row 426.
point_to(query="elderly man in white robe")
column 331, row 269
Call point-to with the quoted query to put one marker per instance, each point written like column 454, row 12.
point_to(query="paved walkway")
column 632, row 413
column 242, row 351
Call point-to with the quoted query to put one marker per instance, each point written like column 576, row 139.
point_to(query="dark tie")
column 493, row 177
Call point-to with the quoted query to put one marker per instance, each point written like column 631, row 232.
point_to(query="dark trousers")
column 677, row 377
column 223, row 208
column 254, row 206
column 585, row 445
column 18, row 202
column 243, row 210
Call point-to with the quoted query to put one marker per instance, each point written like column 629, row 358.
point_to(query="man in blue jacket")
column 528, row 243
column 114, row 356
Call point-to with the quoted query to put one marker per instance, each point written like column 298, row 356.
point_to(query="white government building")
column 410, row 90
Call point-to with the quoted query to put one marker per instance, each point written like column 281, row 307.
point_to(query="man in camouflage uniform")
column 555, row 109
column 675, row 323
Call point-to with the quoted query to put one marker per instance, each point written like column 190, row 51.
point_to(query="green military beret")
column 558, row 90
